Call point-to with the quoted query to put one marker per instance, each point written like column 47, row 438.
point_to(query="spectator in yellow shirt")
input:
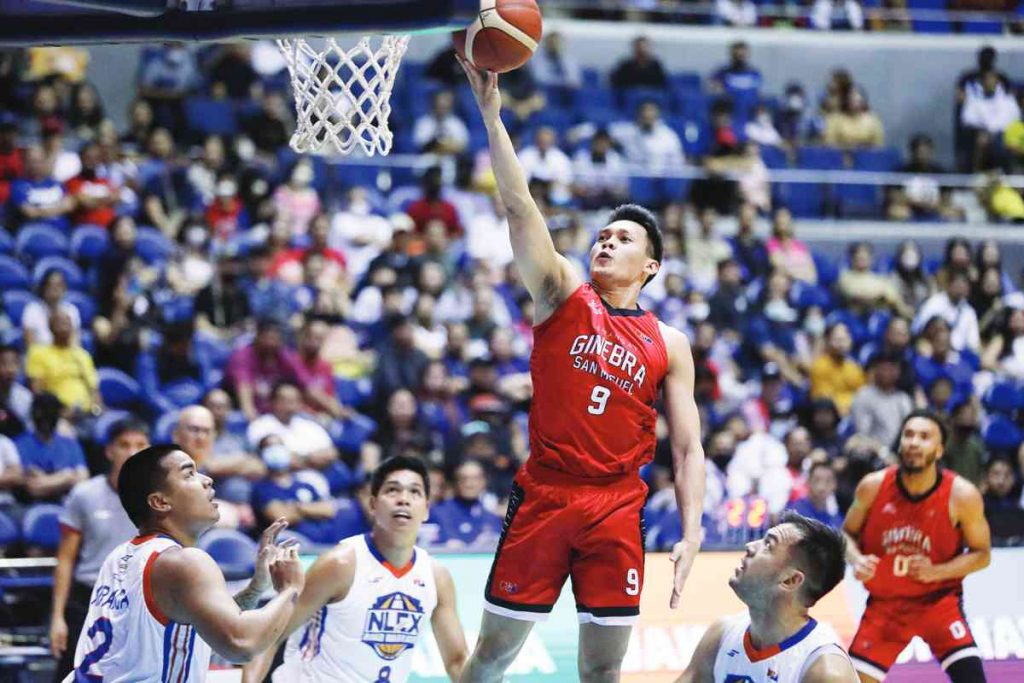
column 833, row 374
column 64, row 368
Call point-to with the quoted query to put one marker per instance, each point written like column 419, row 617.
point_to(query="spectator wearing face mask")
column 282, row 494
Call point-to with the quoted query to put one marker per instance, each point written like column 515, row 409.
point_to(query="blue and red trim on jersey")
column 756, row 655
column 377, row 555
column 179, row 644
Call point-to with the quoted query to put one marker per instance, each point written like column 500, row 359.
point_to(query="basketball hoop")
column 343, row 95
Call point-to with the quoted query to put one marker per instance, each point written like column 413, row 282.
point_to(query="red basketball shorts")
column 560, row 526
column 888, row 625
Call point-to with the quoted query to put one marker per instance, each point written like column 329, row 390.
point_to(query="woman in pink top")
column 297, row 202
column 787, row 253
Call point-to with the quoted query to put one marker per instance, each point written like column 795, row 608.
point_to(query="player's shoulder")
column 830, row 667
column 677, row 344
column 340, row 559
column 176, row 563
column 871, row 484
column 963, row 492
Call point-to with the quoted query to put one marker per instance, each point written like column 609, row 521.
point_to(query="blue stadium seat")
column 85, row 304
column 6, row 242
column 164, row 426
column 291, row 535
column 774, row 157
column 584, row 99
column 632, row 98
column 695, row 135
column 981, row 26
column 9, row 531
column 819, row 158
column 858, row 201
column 693, row 105
column 36, row 241
column 15, row 302
column 88, row 243
column 883, row 160
column 931, row 26
column 183, row 392
column 1001, row 435
column 40, row 527
column 73, row 275
column 592, row 78
column 232, row 550
column 685, row 81
column 153, row 246
column 1004, row 398
column 13, row 274
column 353, row 392
column 211, row 117
column 828, row 271
column 804, row 200
column 105, row 421
column 118, row 389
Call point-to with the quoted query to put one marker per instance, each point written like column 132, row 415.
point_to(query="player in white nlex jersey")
column 776, row 641
column 367, row 600
column 160, row 604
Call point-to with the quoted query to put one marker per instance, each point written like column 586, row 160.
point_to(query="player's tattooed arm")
column 867, row 490
column 451, row 640
column 328, row 580
column 266, row 553
column 701, row 668
column 969, row 513
column 830, row 668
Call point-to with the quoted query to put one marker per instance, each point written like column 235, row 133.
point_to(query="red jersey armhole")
column 147, row 591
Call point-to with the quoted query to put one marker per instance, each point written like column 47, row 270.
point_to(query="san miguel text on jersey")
column 596, row 371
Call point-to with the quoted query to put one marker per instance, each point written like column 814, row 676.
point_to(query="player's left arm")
column 451, row 640
column 969, row 512
column 687, row 453
column 830, row 668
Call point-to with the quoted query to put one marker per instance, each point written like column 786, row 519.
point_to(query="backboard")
column 68, row 22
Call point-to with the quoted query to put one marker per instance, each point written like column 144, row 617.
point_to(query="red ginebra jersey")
column 596, row 374
column 899, row 526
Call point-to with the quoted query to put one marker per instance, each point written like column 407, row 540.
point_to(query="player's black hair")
column 820, row 464
column 820, row 554
column 928, row 415
column 397, row 464
column 645, row 219
column 283, row 384
column 141, row 475
column 649, row 222
column 132, row 425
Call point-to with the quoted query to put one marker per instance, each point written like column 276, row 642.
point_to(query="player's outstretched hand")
column 286, row 569
column 683, row 554
column 864, row 568
column 485, row 89
column 266, row 553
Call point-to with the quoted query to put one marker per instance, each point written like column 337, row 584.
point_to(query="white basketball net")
column 343, row 95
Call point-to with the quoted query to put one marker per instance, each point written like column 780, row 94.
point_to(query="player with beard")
column 915, row 530
column 782, row 575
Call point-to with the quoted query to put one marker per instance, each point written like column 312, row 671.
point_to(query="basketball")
column 503, row 37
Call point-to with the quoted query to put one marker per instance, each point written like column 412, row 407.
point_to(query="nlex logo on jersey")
column 393, row 625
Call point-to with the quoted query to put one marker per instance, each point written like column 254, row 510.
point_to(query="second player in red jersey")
column 916, row 531
column 599, row 364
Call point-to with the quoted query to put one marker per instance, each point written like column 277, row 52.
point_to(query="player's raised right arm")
column 548, row 276
column 867, row 490
column 189, row 588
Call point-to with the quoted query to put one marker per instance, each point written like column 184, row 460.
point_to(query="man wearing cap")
column 878, row 408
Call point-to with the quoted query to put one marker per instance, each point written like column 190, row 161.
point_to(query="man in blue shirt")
column 738, row 79
column 52, row 463
column 298, row 501
column 463, row 519
column 38, row 197
column 820, row 502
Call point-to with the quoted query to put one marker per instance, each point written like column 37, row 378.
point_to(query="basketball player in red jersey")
column 914, row 532
column 597, row 365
